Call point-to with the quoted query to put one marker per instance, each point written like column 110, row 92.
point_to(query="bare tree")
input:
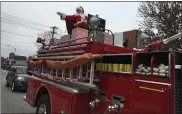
column 47, row 35
column 166, row 16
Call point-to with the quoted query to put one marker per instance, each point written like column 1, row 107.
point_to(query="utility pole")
column 53, row 31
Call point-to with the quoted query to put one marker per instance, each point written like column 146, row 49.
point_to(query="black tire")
column 44, row 101
column 6, row 83
column 13, row 87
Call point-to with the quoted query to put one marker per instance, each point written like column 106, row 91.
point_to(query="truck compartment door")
column 151, row 97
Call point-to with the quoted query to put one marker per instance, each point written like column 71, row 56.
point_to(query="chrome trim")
column 59, row 86
column 117, row 104
column 63, row 73
column 54, row 54
column 132, row 66
column 177, row 66
column 71, row 73
column 152, row 82
column 51, row 72
column 57, row 71
column 62, row 48
column 169, row 65
column 92, row 72
column 94, row 79
column 80, row 72
column 86, row 84
column 95, row 102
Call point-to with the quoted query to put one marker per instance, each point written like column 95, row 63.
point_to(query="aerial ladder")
column 159, row 44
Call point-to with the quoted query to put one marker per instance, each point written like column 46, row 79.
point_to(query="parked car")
column 17, row 78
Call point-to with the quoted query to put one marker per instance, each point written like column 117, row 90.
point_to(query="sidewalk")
column 3, row 72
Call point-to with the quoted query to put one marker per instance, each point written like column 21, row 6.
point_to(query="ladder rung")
column 62, row 53
column 62, row 48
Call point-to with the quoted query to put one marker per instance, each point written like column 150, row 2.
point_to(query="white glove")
column 59, row 13
column 63, row 16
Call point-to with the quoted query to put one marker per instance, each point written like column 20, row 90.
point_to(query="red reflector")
column 38, row 40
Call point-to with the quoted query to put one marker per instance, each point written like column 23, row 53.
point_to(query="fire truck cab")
column 120, row 81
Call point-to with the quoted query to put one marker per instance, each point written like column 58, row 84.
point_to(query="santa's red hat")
column 80, row 8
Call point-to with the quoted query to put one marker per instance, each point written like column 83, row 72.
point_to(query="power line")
column 9, row 20
column 24, row 20
column 18, row 34
column 20, row 21
column 21, row 25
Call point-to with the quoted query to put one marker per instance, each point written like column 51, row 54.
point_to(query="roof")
column 17, row 57
column 130, row 30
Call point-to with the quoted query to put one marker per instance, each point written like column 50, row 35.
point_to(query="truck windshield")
column 21, row 70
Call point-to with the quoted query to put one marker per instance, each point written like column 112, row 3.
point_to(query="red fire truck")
column 88, row 74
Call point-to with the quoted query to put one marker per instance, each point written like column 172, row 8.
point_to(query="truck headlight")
column 20, row 78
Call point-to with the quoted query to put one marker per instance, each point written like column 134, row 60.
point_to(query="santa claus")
column 79, row 19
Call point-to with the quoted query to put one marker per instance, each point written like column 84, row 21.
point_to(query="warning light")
column 38, row 40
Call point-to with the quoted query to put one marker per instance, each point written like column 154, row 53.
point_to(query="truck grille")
column 177, row 94
column 178, row 85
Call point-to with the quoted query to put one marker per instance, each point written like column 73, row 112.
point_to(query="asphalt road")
column 12, row 102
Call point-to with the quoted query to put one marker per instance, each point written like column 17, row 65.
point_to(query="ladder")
column 83, row 75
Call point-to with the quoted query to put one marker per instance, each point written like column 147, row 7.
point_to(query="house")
column 135, row 39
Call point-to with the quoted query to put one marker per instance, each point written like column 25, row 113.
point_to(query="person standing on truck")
column 79, row 19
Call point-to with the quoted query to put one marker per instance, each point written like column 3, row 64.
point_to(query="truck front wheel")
column 43, row 106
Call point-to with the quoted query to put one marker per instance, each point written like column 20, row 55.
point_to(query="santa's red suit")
column 79, row 18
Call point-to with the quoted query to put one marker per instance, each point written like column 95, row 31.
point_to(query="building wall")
column 132, row 38
column 136, row 39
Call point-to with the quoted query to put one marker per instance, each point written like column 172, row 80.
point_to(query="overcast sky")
column 120, row 16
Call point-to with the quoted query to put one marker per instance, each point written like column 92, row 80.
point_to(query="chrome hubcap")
column 42, row 109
